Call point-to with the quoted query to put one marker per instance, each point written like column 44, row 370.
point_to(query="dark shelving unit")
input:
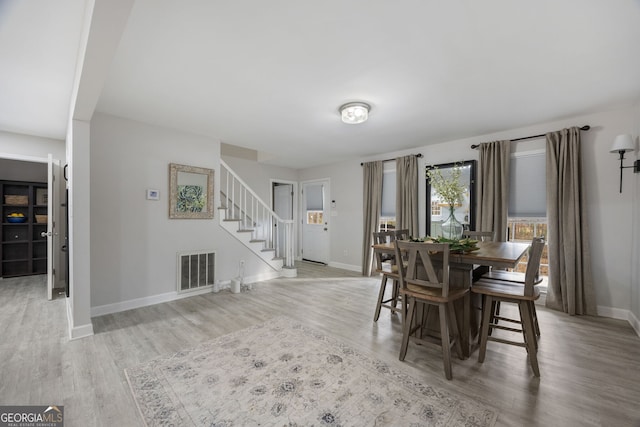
column 23, row 249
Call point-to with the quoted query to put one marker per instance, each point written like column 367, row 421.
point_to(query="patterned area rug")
column 281, row 373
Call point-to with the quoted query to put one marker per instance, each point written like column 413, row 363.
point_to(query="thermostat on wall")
column 153, row 194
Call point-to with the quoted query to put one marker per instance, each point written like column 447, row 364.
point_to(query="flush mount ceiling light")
column 355, row 112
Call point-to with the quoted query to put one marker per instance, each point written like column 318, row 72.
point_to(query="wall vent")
column 196, row 270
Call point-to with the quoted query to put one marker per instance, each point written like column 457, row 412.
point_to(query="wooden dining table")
column 464, row 269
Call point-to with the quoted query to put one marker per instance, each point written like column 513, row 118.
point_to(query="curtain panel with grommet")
column 372, row 202
column 407, row 194
column 493, row 188
column 570, row 287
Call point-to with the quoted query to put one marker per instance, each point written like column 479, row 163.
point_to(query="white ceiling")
column 270, row 75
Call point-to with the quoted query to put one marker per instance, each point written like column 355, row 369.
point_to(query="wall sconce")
column 621, row 145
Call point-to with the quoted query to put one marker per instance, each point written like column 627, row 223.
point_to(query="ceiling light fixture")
column 355, row 112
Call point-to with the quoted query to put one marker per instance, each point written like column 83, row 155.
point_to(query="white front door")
column 315, row 221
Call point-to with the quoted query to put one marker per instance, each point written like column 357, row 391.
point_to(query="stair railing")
column 243, row 204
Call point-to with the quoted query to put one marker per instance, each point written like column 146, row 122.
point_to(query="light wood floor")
column 590, row 367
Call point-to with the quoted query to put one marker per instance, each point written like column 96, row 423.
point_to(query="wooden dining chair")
column 424, row 282
column 524, row 296
column 483, row 236
column 514, row 278
column 402, row 234
column 386, row 265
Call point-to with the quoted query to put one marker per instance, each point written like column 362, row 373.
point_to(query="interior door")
column 53, row 243
column 283, row 207
column 315, row 221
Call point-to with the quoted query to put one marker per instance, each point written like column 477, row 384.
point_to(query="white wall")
column 19, row 170
column 345, row 220
column 609, row 213
column 14, row 144
column 635, row 273
column 133, row 242
column 259, row 178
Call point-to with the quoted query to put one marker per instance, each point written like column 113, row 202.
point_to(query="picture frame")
column 153, row 194
column 190, row 192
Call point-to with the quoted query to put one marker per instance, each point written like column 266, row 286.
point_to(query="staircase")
column 250, row 220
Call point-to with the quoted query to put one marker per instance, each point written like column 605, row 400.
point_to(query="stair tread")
column 245, row 230
column 257, row 241
column 232, row 219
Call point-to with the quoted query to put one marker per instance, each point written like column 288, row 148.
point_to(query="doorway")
column 284, row 201
column 315, row 221
column 42, row 212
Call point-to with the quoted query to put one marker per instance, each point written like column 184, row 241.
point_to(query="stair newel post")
column 288, row 237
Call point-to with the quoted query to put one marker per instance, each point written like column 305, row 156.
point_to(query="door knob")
column 45, row 234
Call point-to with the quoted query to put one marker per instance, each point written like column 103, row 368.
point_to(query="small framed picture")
column 153, row 194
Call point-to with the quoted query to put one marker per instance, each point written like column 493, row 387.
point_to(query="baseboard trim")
column 612, row 312
column 620, row 314
column 635, row 323
column 349, row 267
column 77, row 332
column 263, row 276
column 117, row 307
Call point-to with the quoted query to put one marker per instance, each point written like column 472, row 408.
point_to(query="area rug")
column 282, row 373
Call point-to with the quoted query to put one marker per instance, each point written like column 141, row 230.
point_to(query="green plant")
column 449, row 189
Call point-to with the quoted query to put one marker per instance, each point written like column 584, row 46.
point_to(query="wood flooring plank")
column 589, row 365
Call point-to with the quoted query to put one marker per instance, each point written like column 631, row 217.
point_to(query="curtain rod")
column 390, row 160
column 585, row 127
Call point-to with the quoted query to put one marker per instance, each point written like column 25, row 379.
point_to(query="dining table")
column 464, row 269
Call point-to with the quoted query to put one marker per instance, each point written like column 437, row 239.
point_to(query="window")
column 314, row 196
column 314, row 217
column 436, row 209
column 465, row 212
column 388, row 210
column 527, row 216
column 528, row 185
column 524, row 230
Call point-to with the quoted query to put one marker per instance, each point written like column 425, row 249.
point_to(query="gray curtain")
column 493, row 188
column 570, row 286
column 372, row 201
column 407, row 194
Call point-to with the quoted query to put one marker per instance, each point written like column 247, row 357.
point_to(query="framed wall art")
column 190, row 192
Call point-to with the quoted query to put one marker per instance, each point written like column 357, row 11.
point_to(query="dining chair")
column 524, row 296
column 424, row 282
column 514, row 278
column 483, row 236
column 402, row 234
column 386, row 265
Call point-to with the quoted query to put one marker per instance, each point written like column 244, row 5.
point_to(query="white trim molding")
column 77, row 332
column 620, row 314
column 635, row 323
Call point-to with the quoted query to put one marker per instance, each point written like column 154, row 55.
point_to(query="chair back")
column 483, row 236
column 419, row 270
column 533, row 265
column 383, row 237
column 402, row 234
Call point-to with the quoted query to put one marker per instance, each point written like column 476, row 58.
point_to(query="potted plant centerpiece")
column 450, row 191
